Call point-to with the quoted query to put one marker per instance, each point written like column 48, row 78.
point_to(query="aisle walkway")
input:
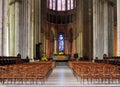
column 62, row 75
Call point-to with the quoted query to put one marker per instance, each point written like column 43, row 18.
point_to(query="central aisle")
column 62, row 75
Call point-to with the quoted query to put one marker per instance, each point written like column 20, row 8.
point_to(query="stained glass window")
column 61, row 42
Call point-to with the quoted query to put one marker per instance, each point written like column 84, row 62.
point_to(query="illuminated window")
column 50, row 5
column 68, row 4
column 54, row 4
column 71, row 4
column 61, row 5
column 61, row 42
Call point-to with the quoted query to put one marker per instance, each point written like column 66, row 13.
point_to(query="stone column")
column 66, row 46
column 39, row 21
column 81, row 44
column 24, row 47
column 32, row 30
column 55, row 46
column 17, row 27
column 49, row 47
column 78, row 46
column 87, row 28
column 118, row 27
column 1, row 27
column 21, row 27
column 110, row 30
column 46, row 47
column 28, row 15
column 12, row 29
column 79, row 31
column 36, row 21
column 105, row 27
column 94, row 27
column 73, row 47
column 98, row 29
column 101, row 31
column 5, row 29
column 36, row 24
column 44, row 44
column 29, row 35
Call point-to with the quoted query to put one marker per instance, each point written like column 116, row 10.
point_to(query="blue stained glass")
column 61, row 42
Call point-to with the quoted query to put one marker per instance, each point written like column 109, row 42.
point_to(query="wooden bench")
column 8, row 60
column 115, row 60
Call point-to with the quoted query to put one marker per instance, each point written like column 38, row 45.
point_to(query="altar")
column 61, row 60
column 60, row 57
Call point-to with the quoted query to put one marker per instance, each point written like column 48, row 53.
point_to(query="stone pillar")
column 80, row 44
column 24, row 47
column 79, row 21
column 28, row 15
column 12, row 29
column 24, row 28
column 87, row 29
column 98, row 29
column 110, row 30
column 17, row 27
column 21, row 28
column 73, row 47
column 55, row 46
column 32, row 30
column 26, row 36
column 105, row 27
column 28, row 30
column 66, row 46
column 49, row 47
column 100, row 36
column 1, row 26
column 46, row 46
column 35, row 29
column 118, row 27
column 36, row 21
column 39, row 21
column 5, row 29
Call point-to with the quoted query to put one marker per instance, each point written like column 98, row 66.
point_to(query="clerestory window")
column 61, row 5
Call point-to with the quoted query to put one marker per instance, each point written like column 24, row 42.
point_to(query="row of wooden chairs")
column 28, row 72
column 95, row 72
